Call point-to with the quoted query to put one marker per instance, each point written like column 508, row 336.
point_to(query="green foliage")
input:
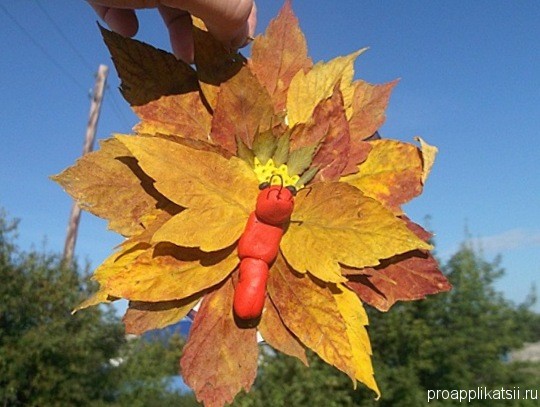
column 49, row 357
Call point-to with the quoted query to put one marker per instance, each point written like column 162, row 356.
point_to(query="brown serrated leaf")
column 358, row 153
column 310, row 312
column 183, row 115
column 214, row 63
column 243, row 107
column 368, row 108
column 108, row 181
column 220, row 358
column 169, row 272
column 277, row 335
column 333, row 223
column 333, row 154
column 147, row 73
column 405, row 277
column 391, row 174
column 279, row 54
column 141, row 317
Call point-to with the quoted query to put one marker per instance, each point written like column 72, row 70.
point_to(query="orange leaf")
column 368, row 108
column 220, row 358
column 243, row 106
column 184, row 115
column 277, row 335
column 110, row 184
column 145, row 316
column 391, row 174
column 310, row 312
column 405, row 277
column 279, row 54
column 333, row 154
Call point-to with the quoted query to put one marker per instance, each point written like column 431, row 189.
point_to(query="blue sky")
column 470, row 84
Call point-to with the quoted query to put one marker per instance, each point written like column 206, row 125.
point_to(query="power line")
column 117, row 111
column 81, row 57
column 43, row 49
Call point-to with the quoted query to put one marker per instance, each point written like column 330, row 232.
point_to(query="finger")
column 179, row 24
column 226, row 20
column 121, row 21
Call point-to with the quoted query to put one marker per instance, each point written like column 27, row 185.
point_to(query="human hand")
column 231, row 21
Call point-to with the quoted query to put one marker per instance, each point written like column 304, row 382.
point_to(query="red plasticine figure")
column 258, row 247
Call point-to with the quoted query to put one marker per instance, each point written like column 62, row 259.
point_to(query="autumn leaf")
column 310, row 312
column 141, row 317
column 428, row 157
column 215, row 64
column 406, row 277
column 210, row 184
column 169, row 272
column 356, row 320
column 337, row 224
column 108, row 181
column 369, row 104
column 308, row 89
column 279, row 54
column 184, row 115
column 391, row 173
column 277, row 335
column 220, row 358
column 147, row 73
column 243, row 107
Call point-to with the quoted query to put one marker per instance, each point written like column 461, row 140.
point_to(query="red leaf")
column 220, row 358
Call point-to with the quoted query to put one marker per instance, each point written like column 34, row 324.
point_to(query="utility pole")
column 95, row 108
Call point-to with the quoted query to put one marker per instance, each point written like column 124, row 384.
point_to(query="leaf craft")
column 260, row 189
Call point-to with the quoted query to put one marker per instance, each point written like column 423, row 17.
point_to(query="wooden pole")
column 95, row 108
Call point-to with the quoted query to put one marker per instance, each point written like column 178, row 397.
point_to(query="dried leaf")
column 279, row 54
column 334, row 223
column 169, row 272
column 333, row 154
column 220, row 358
column 300, row 160
column 214, row 63
column 310, row 312
column 147, row 73
column 243, row 107
column 264, row 145
column 308, row 89
column 405, row 277
column 106, row 182
column 196, row 179
column 391, row 173
column 141, row 317
column 428, row 157
column 183, row 115
column 277, row 335
column 356, row 320
column 281, row 155
column 368, row 108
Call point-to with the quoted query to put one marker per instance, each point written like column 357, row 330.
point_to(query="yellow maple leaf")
column 337, row 224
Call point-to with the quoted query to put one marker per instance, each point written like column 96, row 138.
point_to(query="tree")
column 47, row 356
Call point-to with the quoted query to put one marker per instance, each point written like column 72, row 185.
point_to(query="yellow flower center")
column 274, row 175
